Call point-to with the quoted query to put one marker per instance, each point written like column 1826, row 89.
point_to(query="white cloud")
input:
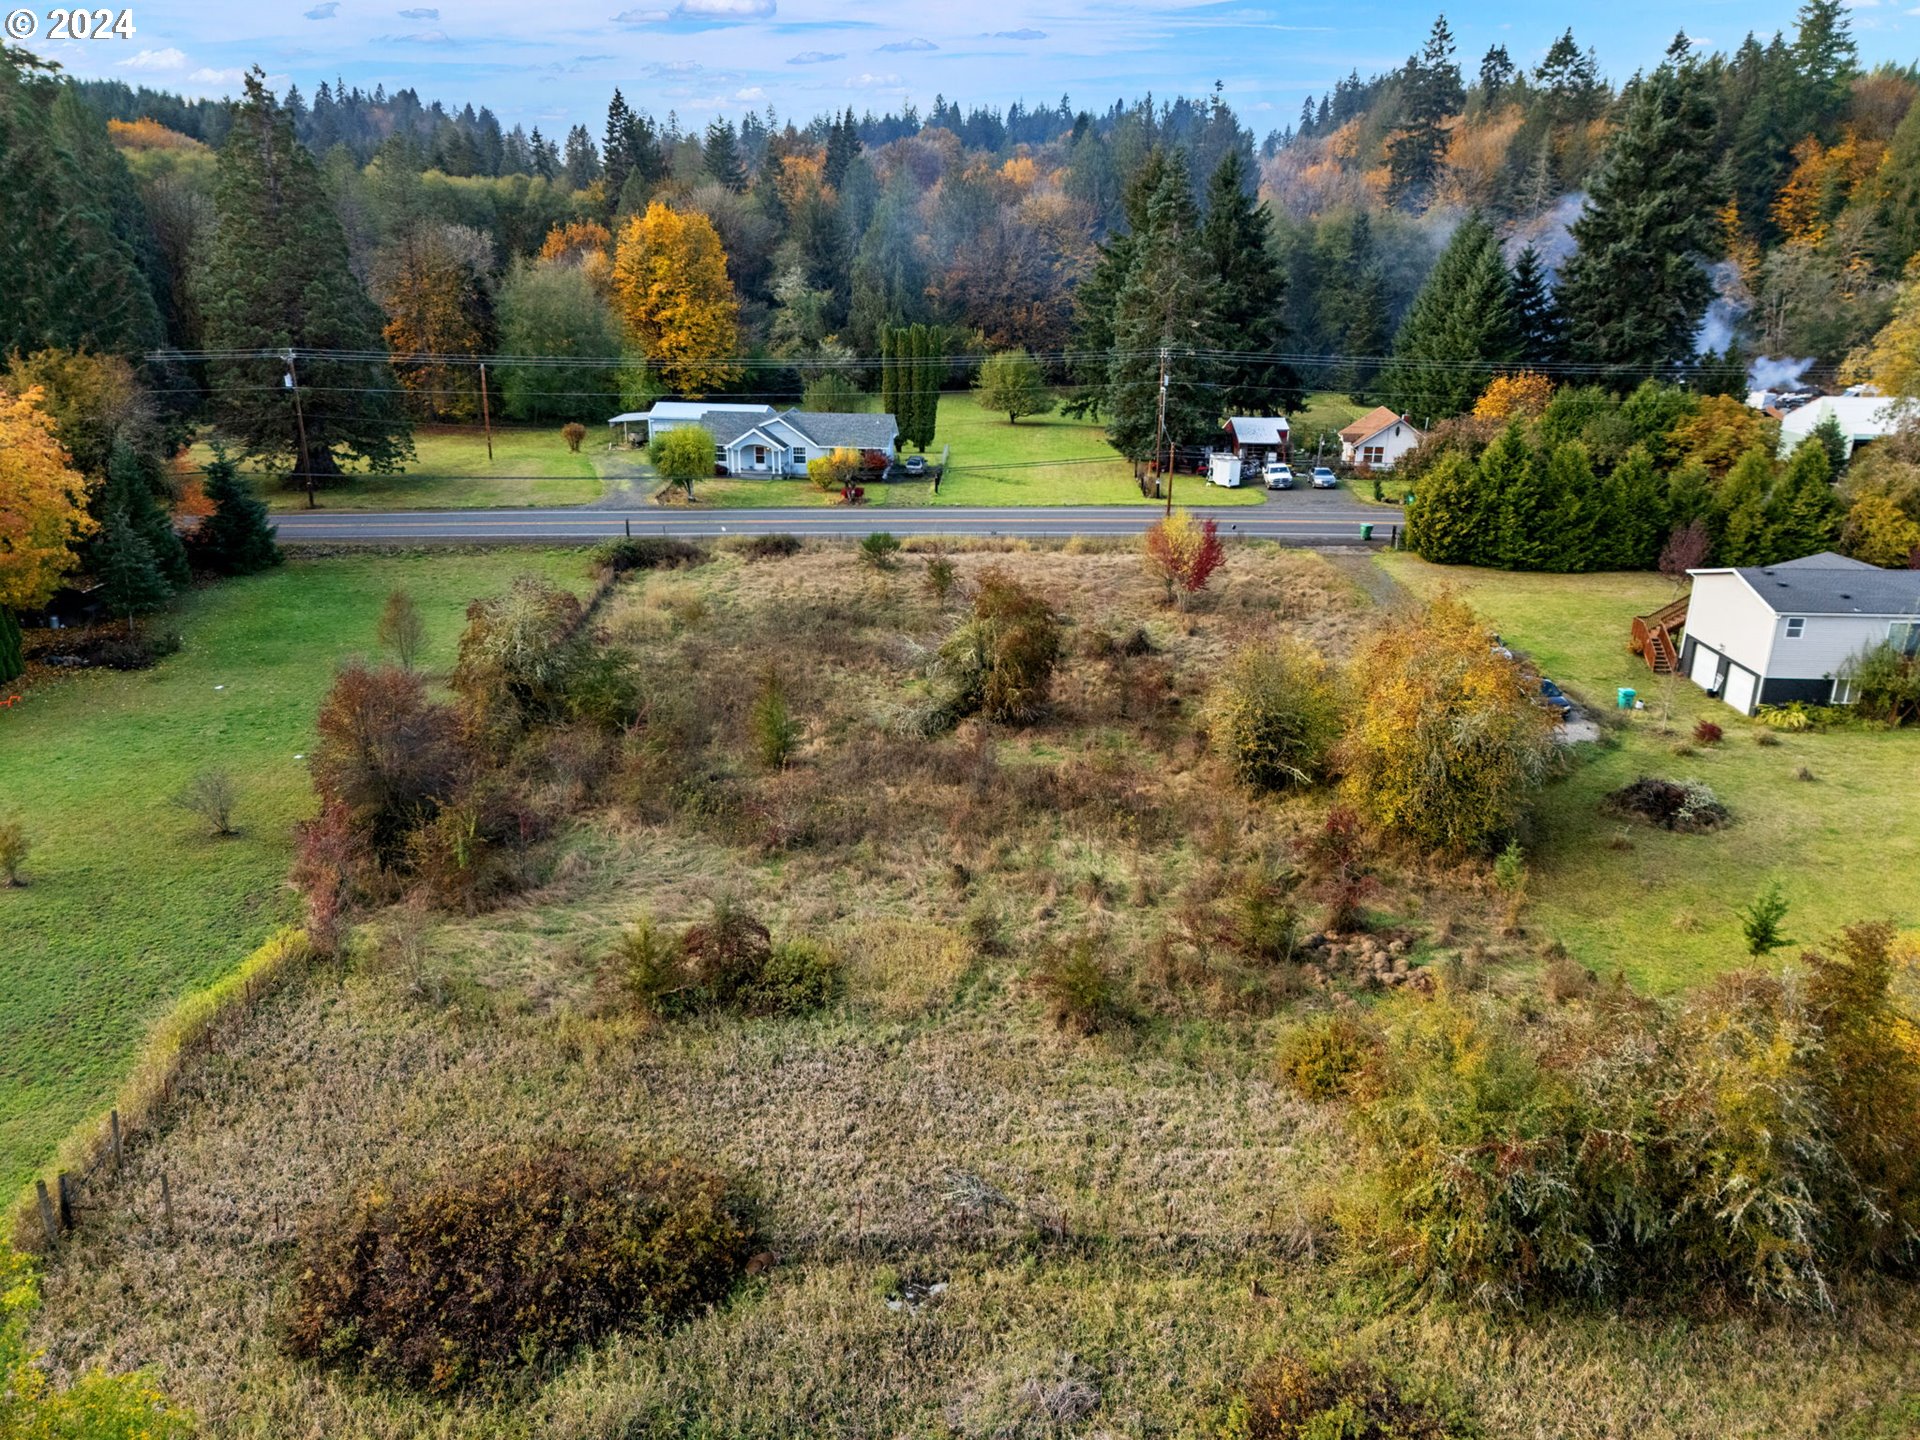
column 901, row 47
column 752, row 92
column 661, row 69
column 709, row 10
column 869, row 81
column 323, row 11
column 168, row 59
column 815, row 57
column 1861, row 4
column 423, row 37
column 423, row 13
column 1018, row 35
column 206, row 76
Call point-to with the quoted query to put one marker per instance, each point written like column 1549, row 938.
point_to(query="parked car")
column 1324, row 479
column 1279, row 475
column 1554, row 699
column 915, row 464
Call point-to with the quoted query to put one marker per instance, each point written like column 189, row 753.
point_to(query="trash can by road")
column 1366, row 529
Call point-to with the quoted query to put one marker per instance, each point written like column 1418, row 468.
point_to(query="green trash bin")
column 1625, row 697
column 1366, row 529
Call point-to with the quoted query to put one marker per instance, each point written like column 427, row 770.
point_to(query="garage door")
column 1740, row 688
column 1706, row 665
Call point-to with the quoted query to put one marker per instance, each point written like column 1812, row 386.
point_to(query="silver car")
column 1324, row 479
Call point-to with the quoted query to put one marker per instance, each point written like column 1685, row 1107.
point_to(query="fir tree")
column 1431, row 92
column 236, row 538
column 1636, row 514
column 616, row 146
column 1537, row 322
column 1459, row 331
column 1249, row 295
column 1444, row 522
column 1636, row 286
column 1745, row 528
column 1581, row 538
column 133, row 489
column 276, row 278
column 721, row 156
column 1803, row 513
column 843, row 143
column 123, row 563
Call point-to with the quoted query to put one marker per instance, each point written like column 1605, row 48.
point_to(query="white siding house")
column 672, row 414
column 1772, row 634
column 1378, row 439
column 1862, row 418
column 782, row 443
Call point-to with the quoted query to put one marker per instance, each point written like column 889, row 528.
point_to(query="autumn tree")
column 671, row 288
column 1525, row 395
column 43, row 509
column 834, row 470
column 436, row 284
column 1891, row 360
column 1182, row 553
column 1010, row 383
column 1445, row 745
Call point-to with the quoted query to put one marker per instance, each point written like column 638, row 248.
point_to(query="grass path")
column 1844, row 845
column 129, row 906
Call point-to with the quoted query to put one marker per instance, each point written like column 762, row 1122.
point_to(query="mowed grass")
column 451, row 471
column 1844, row 845
column 130, row 904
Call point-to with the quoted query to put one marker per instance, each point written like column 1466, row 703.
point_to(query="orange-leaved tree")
column 1525, row 395
column 1445, row 742
column 43, row 512
column 671, row 288
column 1183, row 553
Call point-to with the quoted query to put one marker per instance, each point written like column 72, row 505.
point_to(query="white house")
column 1773, row 634
column 1862, row 418
column 1377, row 439
column 671, row 414
column 781, row 443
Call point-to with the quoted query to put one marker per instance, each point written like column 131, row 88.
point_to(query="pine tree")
column 134, row 486
column 1444, row 522
column 843, row 143
column 236, row 538
column 123, row 563
column 1636, row 523
column 275, row 278
column 1164, row 306
column 1636, row 286
column 1582, row 529
column 1459, row 331
column 1431, row 92
column 1250, row 295
column 1804, row 514
column 721, row 156
column 1745, row 528
column 1537, row 323
column 616, row 145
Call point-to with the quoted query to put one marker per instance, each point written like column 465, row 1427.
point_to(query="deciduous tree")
column 670, row 284
column 1010, row 383
column 43, row 508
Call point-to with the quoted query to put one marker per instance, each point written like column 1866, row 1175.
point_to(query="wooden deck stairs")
column 1656, row 637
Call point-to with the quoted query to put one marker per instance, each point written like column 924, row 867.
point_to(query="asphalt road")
column 1299, row 517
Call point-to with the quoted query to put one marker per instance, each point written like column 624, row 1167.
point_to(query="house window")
column 1843, row 690
column 800, row 456
column 719, row 455
column 1904, row 636
column 759, row 457
column 1796, row 626
column 1373, row 455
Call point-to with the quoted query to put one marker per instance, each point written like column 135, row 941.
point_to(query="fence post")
column 65, row 1196
column 47, row 1221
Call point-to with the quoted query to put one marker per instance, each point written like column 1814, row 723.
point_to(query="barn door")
column 1706, row 666
column 1740, row 688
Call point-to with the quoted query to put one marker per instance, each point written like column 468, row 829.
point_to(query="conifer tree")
column 276, row 277
column 1636, row 515
column 1164, row 305
column 133, row 488
column 123, row 563
column 1581, row 528
column 1249, row 293
column 1746, row 530
column 1431, row 92
column 1459, row 331
column 1444, row 523
column 236, row 538
column 1635, row 288
column 843, row 143
column 721, row 156
column 1803, row 513
column 13, row 660
column 1537, row 322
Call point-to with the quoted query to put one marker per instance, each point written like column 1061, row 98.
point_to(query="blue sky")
column 554, row 62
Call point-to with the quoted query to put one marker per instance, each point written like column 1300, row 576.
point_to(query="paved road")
column 1303, row 518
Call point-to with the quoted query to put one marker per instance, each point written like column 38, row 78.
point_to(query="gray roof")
column 1258, row 429
column 727, row 426
column 1834, row 585
column 832, row 429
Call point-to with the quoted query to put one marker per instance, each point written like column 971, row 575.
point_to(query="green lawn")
column 129, row 905
column 451, row 471
column 1844, row 846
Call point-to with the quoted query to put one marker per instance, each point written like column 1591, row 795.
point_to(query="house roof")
column 1829, row 584
column 1258, row 429
column 833, row 429
column 695, row 409
column 728, row 427
column 1372, row 423
column 1861, row 417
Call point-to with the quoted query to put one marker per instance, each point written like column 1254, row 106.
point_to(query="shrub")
column 649, row 552
column 469, row 852
column 573, row 432
column 880, row 550
column 212, row 795
column 775, row 732
column 939, row 578
column 1183, row 553
column 728, row 961
column 770, row 547
column 1293, row 1398
column 1886, row 682
column 328, row 858
column 1082, row 995
column 526, row 659
column 1000, row 663
column 14, row 848
column 1274, row 716
column 384, row 753
column 834, row 470
column 1687, row 806
column 401, row 630
column 474, row 1275
column 1321, row 1058
column 1708, row 733
column 1445, row 744
column 1760, row 921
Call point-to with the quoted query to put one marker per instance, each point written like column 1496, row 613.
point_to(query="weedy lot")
column 985, row 1225
column 1843, row 844
column 129, row 903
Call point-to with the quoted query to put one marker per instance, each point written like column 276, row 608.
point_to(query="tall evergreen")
column 276, row 277
column 133, row 489
column 236, row 539
column 1538, row 326
column 1430, row 93
column 1459, row 332
column 721, row 156
column 1095, row 297
column 1636, row 286
column 1502, row 470
column 1636, row 514
column 1531, row 513
column 843, row 143
column 1249, row 293
column 1165, row 306
column 1745, row 527
column 1444, row 523
column 1803, row 512
column 616, row 145
column 123, row 563
column 1579, row 534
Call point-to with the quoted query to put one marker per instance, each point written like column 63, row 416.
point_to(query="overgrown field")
column 978, row 1220
column 1843, row 843
column 129, row 902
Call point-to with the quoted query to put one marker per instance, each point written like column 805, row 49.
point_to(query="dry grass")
column 1123, row 1224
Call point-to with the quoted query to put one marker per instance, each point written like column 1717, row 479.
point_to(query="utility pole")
column 1160, row 433
column 300, row 420
column 486, row 415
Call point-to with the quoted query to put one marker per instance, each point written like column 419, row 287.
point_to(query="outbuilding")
column 1862, row 418
column 1256, row 439
column 1773, row 634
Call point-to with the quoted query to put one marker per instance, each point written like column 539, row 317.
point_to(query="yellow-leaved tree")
column 1446, row 742
column 1525, row 394
column 671, row 288
column 43, row 504
column 1891, row 360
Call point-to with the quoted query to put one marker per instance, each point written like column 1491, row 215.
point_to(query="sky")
column 552, row 63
